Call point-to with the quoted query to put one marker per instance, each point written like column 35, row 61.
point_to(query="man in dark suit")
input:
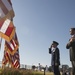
column 55, row 60
column 71, row 46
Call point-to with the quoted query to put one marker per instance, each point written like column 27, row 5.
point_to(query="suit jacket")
column 71, row 47
column 55, row 56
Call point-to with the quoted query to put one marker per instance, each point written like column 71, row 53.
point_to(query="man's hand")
column 72, row 39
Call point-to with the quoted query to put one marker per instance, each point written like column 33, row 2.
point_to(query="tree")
column 50, row 69
column 33, row 67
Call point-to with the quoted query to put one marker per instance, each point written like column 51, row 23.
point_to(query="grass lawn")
column 49, row 73
column 8, row 71
column 46, row 73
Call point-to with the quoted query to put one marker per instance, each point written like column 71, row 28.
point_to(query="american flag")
column 15, row 59
column 6, row 9
column 6, row 58
column 13, row 45
column 7, row 29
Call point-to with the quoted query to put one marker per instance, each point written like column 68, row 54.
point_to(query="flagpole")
column 0, row 42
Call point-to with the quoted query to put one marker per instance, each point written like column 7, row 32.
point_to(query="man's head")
column 72, row 31
column 55, row 44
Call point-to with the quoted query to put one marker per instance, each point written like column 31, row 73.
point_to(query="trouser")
column 73, row 67
column 56, row 70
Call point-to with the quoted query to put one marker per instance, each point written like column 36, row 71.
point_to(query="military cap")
column 54, row 42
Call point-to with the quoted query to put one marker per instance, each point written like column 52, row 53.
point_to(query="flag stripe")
column 9, row 31
column 7, row 55
column 11, row 45
column 8, row 46
column 6, row 58
column 16, row 64
column 5, row 26
column 13, row 42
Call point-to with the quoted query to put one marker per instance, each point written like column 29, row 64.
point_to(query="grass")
column 42, row 73
column 8, row 71
column 46, row 73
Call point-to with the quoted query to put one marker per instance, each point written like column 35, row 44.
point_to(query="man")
column 71, row 45
column 55, row 60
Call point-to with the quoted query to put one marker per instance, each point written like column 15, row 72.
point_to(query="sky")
column 38, row 23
